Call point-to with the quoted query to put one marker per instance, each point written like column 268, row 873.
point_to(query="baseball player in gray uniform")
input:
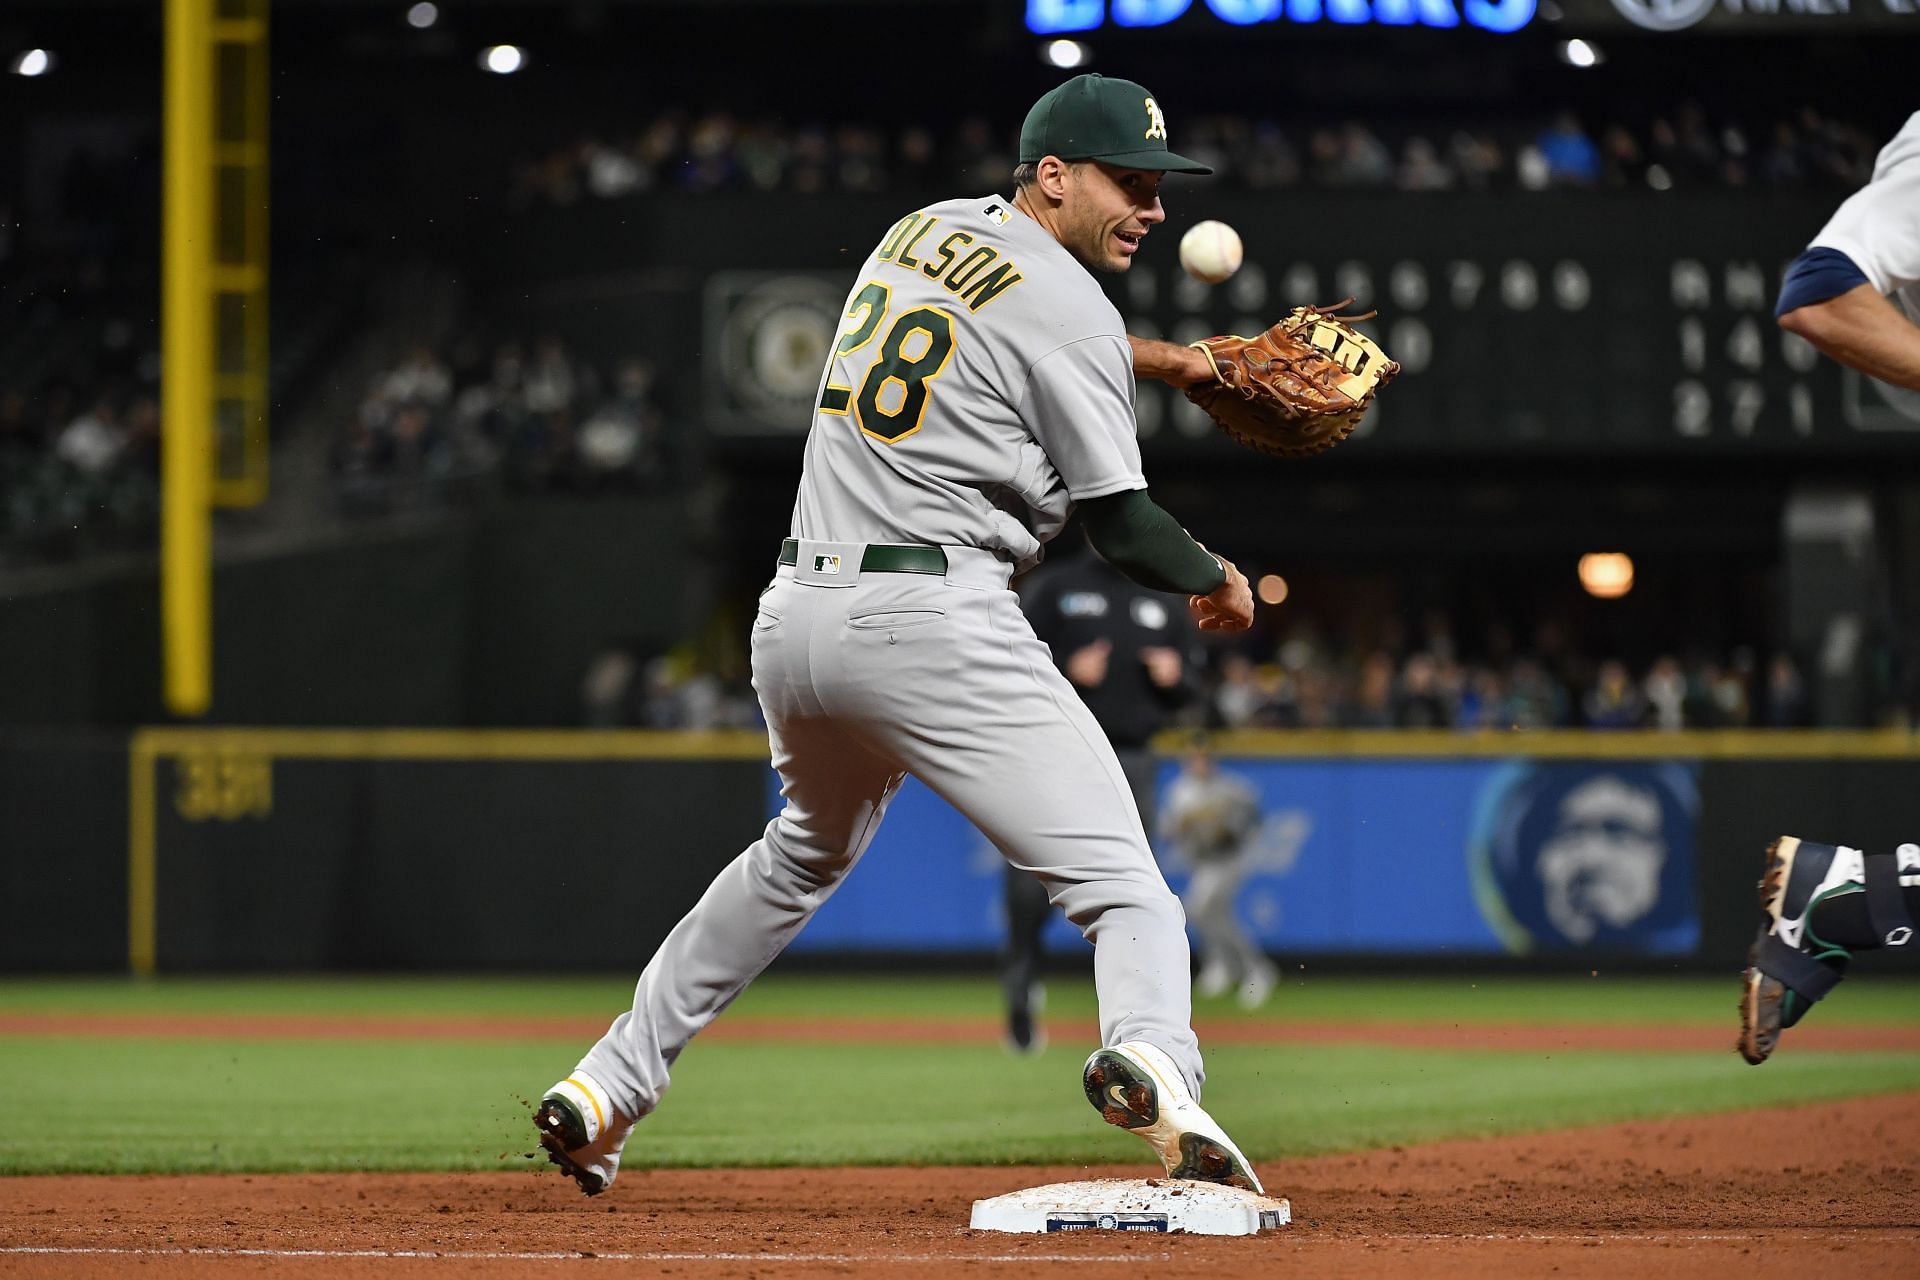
column 1855, row 294
column 1209, row 816
column 981, row 388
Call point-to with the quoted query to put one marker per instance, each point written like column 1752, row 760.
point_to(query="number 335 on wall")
column 223, row 786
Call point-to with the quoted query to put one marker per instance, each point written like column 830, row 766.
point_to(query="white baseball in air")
column 1210, row 251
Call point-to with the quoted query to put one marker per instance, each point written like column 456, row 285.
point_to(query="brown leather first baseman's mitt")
column 1299, row 388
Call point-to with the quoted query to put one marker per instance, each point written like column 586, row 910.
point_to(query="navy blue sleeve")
column 1816, row 276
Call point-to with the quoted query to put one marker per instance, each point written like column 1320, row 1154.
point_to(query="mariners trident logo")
column 1156, row 123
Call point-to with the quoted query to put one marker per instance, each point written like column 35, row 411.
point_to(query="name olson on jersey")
column 969, row 274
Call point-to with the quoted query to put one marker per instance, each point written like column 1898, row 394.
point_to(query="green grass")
column 175, row 1104
column 1867, row 999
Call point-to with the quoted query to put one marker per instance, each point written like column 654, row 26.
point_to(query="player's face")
column 1107, row 212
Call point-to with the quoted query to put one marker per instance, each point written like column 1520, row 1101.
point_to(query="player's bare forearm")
column 1863, row 330
column 1230, row 608
column 1168, row 362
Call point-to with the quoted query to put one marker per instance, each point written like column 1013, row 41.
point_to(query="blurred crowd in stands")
column 79, row 469
column 1685, row 147
column 1308, row 685
column 80, row 394
column 626, row 687
column 80, row 344
column 1312, row 682
column 80, row 364
column 79, row 408
column 534, row 415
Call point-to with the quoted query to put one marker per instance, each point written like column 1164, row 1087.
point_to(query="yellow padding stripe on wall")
column 740, row 744
column 461, row 744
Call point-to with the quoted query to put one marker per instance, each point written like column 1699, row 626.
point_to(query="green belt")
column 882, row 558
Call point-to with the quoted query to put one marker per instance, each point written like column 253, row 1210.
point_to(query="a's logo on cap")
column 1156, row 123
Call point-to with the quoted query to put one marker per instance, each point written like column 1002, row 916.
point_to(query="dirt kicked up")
column 1789, row 1192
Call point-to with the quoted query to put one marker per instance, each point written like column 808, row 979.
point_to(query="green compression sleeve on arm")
column 1137, row 537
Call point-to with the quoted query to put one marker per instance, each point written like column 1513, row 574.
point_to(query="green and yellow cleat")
column 581, row 1132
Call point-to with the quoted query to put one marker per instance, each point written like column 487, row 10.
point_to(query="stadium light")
column 1607, row 575
column 423, row 15
column 1581, row 53
column 1273, row 588
column 503, row 59
column 34, row 62
column 1065, row 53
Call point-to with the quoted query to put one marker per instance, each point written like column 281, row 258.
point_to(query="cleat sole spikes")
column 561, row 1131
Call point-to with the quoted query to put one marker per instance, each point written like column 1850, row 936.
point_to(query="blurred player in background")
column 1854, row 294
column 1120, row 645
column 1209, row 817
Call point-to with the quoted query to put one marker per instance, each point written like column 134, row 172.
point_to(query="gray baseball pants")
column 865, row 678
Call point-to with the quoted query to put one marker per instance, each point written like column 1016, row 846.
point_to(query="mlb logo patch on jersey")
column 997, row 214
column 826, row 564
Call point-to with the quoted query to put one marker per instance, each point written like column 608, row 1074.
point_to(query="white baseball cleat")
column 1215, row 980
column 1258, row 986
column 581, row 1131
column 1137, row 1087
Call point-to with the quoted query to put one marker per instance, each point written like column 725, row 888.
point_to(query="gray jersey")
column 982, row 385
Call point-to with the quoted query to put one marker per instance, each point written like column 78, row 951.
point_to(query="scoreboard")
column 1556, row 323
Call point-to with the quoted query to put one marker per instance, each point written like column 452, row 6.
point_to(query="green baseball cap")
column 1092, row 117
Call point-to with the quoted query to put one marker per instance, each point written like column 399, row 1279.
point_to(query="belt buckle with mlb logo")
column 828, row 564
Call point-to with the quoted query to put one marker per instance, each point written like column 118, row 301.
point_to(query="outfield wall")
column 183, row 850
column 63, row 852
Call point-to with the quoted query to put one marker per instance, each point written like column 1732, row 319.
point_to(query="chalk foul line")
column 1863, row 1235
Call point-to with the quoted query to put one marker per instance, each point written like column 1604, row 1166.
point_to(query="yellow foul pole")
column 186, row 338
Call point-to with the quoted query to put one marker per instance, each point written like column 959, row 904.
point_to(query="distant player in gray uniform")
column 1209, row 816
column 982, row 387
column 1855, row 294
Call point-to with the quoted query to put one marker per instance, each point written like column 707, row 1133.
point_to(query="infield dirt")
column 1791, row 1192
